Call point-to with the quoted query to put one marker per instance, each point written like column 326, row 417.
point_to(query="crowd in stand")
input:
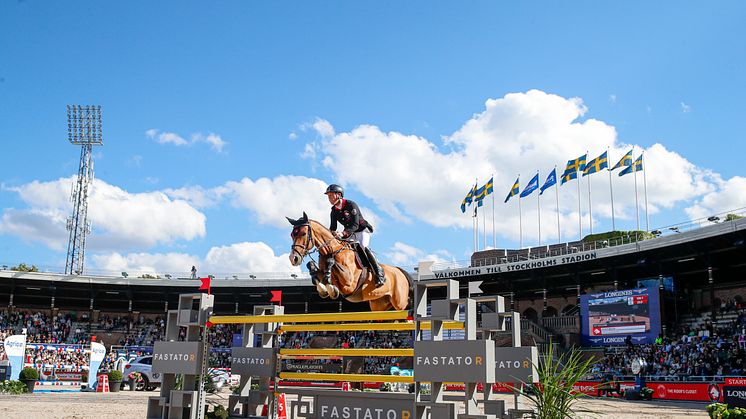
column 707, row 349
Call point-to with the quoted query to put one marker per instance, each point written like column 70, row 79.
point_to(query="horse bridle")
column 309, row 242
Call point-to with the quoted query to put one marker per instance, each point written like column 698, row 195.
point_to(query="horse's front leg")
column 313, row 270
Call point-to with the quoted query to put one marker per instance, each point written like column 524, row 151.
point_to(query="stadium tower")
column 84, row 129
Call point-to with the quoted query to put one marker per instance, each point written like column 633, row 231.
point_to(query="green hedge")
column 29, row 373
column 721, row 411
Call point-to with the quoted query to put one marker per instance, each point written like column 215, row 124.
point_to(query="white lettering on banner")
column 174, row 357
column 516, row 266
column 250, row 361
column 446, row 360
column 508, row 364
column 736, row 393
column 347, row 412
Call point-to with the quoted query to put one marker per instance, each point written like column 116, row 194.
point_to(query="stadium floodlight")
column 294, row 276
column 125, row 274
column 83, row 129
column 168, row 276
column 713, row 219
column 252, row 276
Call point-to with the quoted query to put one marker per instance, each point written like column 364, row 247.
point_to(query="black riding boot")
column 313, row 270
column 380, row 276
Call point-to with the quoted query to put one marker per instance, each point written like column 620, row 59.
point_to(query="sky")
column 220, row 119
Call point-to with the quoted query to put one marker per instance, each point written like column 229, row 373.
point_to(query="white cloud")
column 404, row 255
column 409, row 176
column 685, row 108
column 215, row 141
column 730, row 195
column 293, row 136
column 198, row 196
column 119, row 219
column 274, row 199
column 166, row 137
column 235, row 258
column 324, row 128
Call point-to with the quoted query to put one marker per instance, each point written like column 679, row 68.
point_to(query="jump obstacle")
column 470, row 360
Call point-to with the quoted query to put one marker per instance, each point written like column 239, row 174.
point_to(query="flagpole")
column 484, row 228
column 494, row 240
column 520, row 218
column 580, row 218
column 556, row 195
column 538, row 207
column 590, row 207
column 645, row 186
column 475, row 221
column 637, row 206
column 611, row 189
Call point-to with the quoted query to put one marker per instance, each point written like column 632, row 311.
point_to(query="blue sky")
column 220, row 119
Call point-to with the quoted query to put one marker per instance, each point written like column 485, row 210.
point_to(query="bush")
column 24, row 268
column 219, row 412
column 29, row 373
column 12, row 387
column 721, row 411
column 115, row 375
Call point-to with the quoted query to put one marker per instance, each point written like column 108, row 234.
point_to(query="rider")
column 347, row 213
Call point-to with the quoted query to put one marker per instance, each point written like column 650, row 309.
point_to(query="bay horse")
column 348, row 279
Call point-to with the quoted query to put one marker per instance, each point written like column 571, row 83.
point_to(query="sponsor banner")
column 98, row 352
column 589, row 388
column 177, row 357
column 253, row 361
column 15, row 349
column 458, row 361
column 68, row 376
column 514, row 266
column 358, row 406
column 734, row 392
column 685, row 391
column 329, row 368
column 516, row 364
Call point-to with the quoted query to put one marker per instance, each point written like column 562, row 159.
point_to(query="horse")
column 339, row 272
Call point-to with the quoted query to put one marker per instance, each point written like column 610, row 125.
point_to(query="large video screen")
column 608, row 318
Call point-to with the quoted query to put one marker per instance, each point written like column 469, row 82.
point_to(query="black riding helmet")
column 334, row 188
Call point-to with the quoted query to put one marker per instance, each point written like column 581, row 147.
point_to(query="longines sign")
column 253, row 361
column 516, row 266
column 177, row 357
column 458, row 360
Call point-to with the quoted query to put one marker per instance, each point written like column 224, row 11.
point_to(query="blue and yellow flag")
column 572, row 168
column 482, row 192
column 595, row 165
column 625, row 161
column 468, row 198
column 514, row 190
column 532, row 185
column 551, row 180
column 635, row 167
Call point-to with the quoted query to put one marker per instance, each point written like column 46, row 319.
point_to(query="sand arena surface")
column 132, row 405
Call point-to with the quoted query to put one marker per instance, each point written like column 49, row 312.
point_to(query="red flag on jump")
column 276, row 297
column 205, row 284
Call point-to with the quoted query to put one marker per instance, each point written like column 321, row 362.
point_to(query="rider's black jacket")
column 350, row 217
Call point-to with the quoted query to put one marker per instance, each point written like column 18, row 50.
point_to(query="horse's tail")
column 410, row 280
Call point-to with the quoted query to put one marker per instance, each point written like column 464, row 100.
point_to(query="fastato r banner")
column 177, row 357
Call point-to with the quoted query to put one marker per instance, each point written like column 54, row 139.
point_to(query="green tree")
column 22, row 267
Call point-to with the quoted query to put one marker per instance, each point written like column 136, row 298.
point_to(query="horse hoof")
column 321, row 289
column 333, row 291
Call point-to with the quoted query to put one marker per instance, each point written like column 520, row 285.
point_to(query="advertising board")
column 608, row 318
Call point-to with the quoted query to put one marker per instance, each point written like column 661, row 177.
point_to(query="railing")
column 529, row 326
column 561, row 322
column 676, row 378
column 569, row 248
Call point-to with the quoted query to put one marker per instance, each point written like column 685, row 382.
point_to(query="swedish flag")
column 514, row 190
column 468, row 198
column 572, row 168
column 595, row 165
column 625, row 161
column 485, row 190
column 635, row 167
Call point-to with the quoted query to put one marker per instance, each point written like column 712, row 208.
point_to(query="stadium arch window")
column 530, row 314
column 549, row 311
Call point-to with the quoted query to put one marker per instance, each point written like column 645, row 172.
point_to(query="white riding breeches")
column 362, row 237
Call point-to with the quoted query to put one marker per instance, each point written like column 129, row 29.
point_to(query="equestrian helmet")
column 334, row 188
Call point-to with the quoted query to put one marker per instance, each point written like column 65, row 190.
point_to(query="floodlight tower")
column 83, row 129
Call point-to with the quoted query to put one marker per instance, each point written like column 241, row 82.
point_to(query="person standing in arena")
column 347, row 213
